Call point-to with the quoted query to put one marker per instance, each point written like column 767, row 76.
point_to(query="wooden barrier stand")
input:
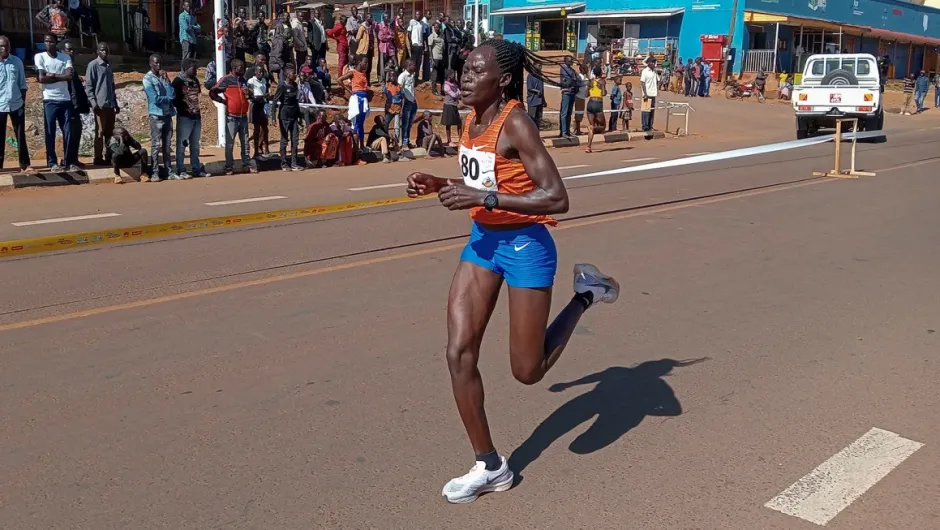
column 837, row 172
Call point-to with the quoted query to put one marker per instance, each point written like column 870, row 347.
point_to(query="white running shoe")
column 477, row 481
column 587, row 278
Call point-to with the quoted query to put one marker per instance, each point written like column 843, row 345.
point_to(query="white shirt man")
column 57, row 104
column 649, row 85
column 649, row 82
column 407, row 83
column 58, row 64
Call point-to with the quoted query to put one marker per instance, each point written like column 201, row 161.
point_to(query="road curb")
column 217, row 168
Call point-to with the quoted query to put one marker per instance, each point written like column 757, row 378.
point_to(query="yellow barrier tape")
column 22, row 247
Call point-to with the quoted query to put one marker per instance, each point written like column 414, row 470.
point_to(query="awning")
column 628, row 13
column 901, row 37
column 314, row 5
column 536, row 10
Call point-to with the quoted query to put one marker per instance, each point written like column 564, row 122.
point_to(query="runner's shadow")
column 620, row 400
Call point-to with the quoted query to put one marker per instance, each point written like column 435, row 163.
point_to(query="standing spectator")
column 55, row 73
column 321, row 32
column 401, row 39
column 260, row 83
column 436, row 48
column 394, row 102
column 211, row 77
column 936, row 90
column 706, row 79
column 289, row 117
column 696, row 77
column 406, row 80
column 314, row 37
column 188, row 30
column 416, row 39
column 909, row 84
column 921, row 87
column 55, row 17
column 535, row 98
column 385, row 33
column 616, row 101
column 451, row 117
column 84, row 16
column 121, row 146
column 13, row 102
column 680, row 74
column 300, row 41
column 282, row 47
column 234, row 88
column 626, row 110
column 570, row 84
column 160, row 96
column 80, row 107
column 649, row 88
column 580, row 98
column 339, row 34
column 103, row 100
column 688, row 78
column 366, row 44
column 352, row 28
column 186, row 90
column 358, row 98
column 380, row 140
column 240, row 33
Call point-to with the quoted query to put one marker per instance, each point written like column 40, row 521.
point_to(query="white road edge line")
column 242, row 201
column 379, row 187
column 647, row 159
column 830, row 488
column 697, row 154
column 66, row 219
column 574, row 167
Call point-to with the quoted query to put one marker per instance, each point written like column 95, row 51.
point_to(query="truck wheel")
column 839, row 77
column 802, row 129
column 877, row 123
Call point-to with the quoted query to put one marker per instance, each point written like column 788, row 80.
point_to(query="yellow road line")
column 22, row 247
column 372, row 261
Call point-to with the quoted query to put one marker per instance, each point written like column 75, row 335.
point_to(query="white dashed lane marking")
column 830, row 488
column 66, row 219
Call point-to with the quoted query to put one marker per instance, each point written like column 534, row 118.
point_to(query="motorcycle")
column 734, row 89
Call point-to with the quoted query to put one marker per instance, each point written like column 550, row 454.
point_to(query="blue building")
column 770, row 35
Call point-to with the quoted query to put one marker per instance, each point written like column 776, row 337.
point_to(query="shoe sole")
column 499, row 486
column 591, row 270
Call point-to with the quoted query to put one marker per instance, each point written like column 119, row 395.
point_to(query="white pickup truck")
column 837, row 86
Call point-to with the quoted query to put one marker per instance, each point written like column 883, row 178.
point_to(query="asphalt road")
column 292, row 376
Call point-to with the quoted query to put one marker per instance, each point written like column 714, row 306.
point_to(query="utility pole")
column 734, row 16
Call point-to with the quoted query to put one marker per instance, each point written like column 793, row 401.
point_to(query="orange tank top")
column 359, row 81
column 483, row 168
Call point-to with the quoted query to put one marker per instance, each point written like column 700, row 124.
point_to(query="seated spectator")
column 347, row 141
column 320, row 145
column 126, row 152
column 323, row 74
column 427, row 138
column 379, row 139
column 785, row 90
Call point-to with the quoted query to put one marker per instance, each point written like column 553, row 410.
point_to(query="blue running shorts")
column 525, row 257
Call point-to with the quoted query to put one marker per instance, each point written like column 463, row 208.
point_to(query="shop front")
column 542, row 27
column 633, row 32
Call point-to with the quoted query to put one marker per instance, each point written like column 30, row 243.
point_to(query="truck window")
column 819, row 68
column 849, row 64
column 864, row 68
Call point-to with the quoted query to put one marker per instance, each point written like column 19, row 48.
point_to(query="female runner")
column 511, row 187
column 597, row 89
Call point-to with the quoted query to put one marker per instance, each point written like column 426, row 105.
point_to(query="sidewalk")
column 214, row 160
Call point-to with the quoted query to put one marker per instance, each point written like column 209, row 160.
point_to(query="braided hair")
column 515, row 59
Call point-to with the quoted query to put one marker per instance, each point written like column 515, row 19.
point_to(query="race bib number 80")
column 478, row 168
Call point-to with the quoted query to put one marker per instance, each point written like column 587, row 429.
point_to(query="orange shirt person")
column 512, row 188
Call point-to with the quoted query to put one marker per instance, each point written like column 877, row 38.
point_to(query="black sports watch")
column 491, row 201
